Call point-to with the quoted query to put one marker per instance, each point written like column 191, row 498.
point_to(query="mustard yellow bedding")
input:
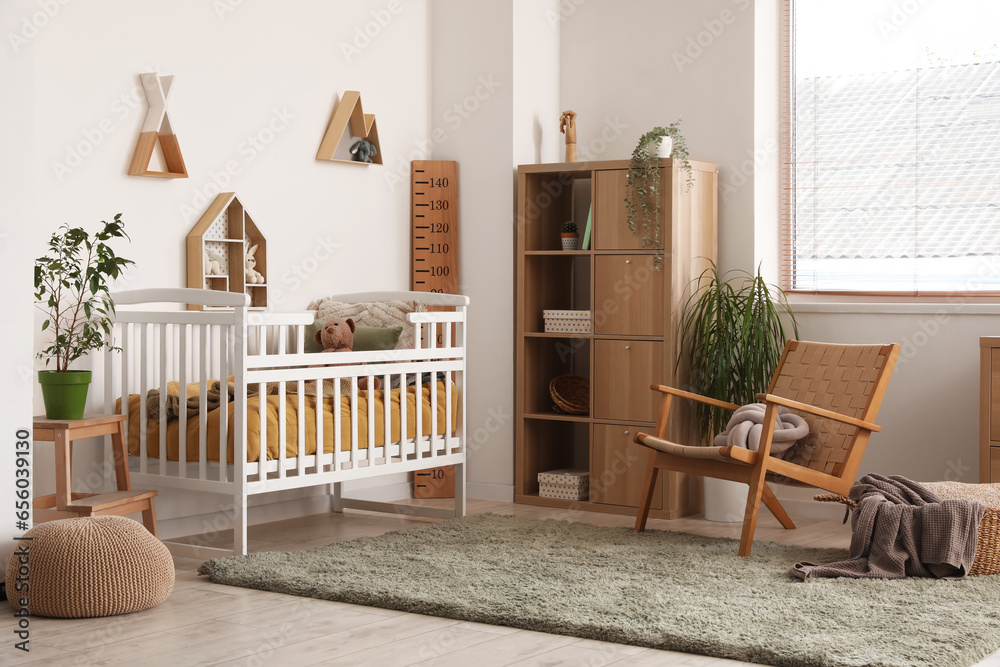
column 292, row 415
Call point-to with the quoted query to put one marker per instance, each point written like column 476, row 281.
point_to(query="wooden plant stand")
column 64, row 504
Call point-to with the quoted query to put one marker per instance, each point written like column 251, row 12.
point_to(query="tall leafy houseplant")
column 72, row 288
column 643, row 191
column 733, row 330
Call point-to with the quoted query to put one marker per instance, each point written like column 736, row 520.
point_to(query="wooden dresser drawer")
column 611, row 230
column 623, row 371
column 618, row 467
column 628, row 296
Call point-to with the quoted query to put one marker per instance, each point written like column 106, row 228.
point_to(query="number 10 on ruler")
column 434, row 212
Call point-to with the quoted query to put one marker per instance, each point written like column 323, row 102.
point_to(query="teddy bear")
column 338, row 336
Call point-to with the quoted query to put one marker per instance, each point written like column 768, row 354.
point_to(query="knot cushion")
column 92, row 566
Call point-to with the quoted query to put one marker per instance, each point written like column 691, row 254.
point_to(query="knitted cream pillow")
column 93, row 566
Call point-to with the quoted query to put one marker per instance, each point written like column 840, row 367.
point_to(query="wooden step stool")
column 64, row 504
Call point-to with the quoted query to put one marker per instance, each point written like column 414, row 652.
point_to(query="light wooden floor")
column 208, row 624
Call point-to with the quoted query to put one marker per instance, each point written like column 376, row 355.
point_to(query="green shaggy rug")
column 658, row 589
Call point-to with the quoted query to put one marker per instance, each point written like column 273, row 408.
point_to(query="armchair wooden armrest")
column 819, row 412
column 694, row 397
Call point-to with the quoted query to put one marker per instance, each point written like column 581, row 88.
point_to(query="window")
column 891, row 146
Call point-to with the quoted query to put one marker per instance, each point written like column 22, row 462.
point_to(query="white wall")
column 471, row 102
column 266, row 72
column 628, row 67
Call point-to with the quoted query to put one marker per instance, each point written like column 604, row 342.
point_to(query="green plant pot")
column 65, row 394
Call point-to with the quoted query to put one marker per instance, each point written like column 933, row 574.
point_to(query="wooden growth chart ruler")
column 434, row 258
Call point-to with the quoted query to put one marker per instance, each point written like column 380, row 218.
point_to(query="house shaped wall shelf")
column 226, row 229
column 156, row 128
column 362, row 127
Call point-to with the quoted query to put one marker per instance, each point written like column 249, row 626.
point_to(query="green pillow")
column 376, row 338
column 365, row 338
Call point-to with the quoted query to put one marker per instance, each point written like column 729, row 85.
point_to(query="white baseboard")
column 499, row 492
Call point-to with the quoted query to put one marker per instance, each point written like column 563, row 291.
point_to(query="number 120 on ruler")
column 434, row 204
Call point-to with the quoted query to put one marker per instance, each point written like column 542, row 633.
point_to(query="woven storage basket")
column 92, row 566
column 987, row 560
column 571, row 394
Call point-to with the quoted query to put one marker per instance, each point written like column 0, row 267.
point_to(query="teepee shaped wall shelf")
column 225, row 231
column 156, row 127
column 362, row 127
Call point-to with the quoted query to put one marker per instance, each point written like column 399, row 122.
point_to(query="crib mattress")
column 292, row 415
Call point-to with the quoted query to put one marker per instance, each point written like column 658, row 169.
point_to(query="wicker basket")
column 571, row 394
column 987, row 560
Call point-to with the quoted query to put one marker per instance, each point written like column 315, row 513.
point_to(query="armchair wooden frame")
column 824, row 383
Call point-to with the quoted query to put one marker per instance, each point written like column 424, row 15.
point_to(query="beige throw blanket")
column 900, row 528
column 747, row 423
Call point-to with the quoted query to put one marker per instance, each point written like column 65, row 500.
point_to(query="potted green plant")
column 570, row 237
column 643, row 191
column 72, row 288
column 733, row 329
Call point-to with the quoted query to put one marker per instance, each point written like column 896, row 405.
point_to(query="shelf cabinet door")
column 611, row 230
column 618, row 467
column 628, row 296
column 623, row 371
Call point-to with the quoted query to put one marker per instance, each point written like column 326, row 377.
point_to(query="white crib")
column 226, row 339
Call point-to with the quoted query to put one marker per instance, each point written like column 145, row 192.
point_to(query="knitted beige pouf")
column 94, row 566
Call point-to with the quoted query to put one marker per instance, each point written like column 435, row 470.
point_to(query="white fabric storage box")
column 565, row 484
column 567, row 321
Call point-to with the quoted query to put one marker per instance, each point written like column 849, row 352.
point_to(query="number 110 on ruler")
column 434, row 211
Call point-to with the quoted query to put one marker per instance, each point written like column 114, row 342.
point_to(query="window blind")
column 891, row 177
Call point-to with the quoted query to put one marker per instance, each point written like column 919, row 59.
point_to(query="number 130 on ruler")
column 434, row 212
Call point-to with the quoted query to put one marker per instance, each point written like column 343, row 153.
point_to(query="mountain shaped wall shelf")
column 362, row 127
column 156, row 128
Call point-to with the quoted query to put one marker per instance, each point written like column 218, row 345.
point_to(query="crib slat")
column 432, row 387
column 182, row 369
column 447, row 411
column 404, row 409
column 337, row 421
column 300, row 414
column 125, row 329
column 262, row 415
column 282, row 430
column 370, row 397
column 203, row 351
column 163, row 399
column 143, row 332
column 387, row 413
column 224, row 344
column 418, row 402
column 354, row 422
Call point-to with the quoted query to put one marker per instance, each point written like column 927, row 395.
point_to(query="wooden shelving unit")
column 635, row 311
column 227, row 229
column 363, row 126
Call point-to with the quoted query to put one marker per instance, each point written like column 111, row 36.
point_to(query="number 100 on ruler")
column 434, row 204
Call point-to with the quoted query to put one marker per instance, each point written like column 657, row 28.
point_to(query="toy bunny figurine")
column 252, row 276
column 213, row 263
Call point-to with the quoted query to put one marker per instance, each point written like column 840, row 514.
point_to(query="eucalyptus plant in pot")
column 643, row 190
column 72, row 288
column 733, row 330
